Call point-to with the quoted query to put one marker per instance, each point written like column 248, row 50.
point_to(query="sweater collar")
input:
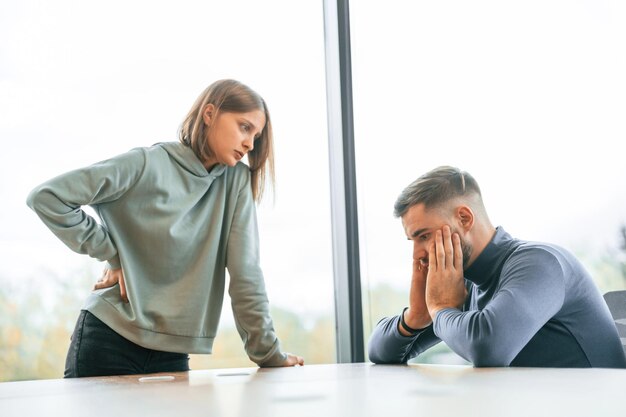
column 186, row 158
column 488, row 265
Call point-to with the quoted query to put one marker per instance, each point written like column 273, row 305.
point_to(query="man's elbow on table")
column 381, row 356
column 483, row 354
column 386, row 345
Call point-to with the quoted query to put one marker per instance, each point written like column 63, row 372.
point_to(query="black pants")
column 96, row 350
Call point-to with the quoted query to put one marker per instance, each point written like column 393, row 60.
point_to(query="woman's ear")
column 465, row 217
column 207, row 114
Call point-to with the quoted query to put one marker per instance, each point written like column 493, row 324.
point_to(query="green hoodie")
column 173, row 228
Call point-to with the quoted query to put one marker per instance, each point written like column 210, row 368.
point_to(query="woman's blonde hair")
column 231, row 96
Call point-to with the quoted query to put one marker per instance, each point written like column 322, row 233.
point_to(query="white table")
column 346, row 390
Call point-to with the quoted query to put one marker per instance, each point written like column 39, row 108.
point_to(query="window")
column 526, row 96
column 83, row 82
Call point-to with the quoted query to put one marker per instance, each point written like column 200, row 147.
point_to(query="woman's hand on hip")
column 110, row 277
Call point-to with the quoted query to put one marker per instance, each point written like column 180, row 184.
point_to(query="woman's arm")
column 247, row 287
column 58, row 203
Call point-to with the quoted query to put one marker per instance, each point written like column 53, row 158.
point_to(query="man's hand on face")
column 416, row 316
column 445, row 286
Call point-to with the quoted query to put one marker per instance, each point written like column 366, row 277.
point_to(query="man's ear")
column 207, row 114
column 465, row 216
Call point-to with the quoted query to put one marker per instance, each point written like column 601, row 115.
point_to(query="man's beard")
column 467, row 250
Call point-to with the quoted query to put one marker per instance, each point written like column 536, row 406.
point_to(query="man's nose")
column 419, row 251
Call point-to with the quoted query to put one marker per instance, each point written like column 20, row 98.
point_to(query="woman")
column 173, row 216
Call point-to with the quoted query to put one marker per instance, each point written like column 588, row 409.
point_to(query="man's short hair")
column 435, row 188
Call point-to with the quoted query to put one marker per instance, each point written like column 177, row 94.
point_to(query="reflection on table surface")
column 328, row 390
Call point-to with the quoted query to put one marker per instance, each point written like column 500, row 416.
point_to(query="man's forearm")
column 388, row 345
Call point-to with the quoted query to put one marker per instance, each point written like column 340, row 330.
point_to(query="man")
column 493, row 299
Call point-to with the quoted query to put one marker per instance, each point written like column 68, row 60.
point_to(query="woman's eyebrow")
column 249, row 122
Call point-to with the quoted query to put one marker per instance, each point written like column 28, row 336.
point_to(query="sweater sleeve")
column 388, row 345
column 58, row 202
column 531, row 293
column 247, row 287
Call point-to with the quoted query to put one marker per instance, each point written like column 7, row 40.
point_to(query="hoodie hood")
column 186, row 158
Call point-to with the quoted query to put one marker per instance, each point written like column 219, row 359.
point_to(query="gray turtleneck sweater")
column 529, row 304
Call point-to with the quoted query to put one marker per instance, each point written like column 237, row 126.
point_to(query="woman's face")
column 231, row 135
